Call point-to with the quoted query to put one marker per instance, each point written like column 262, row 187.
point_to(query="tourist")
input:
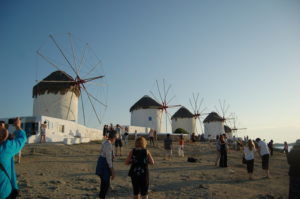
column 180, row 147
column 168, row 147
column 249, row 150
column 118, row 143
column 155, row 136
column 8, row 149
column 218, row 149
column 193, row 139
column 264, row 154
column 105, row 131
column 294, row 171
column 43, row 132
column 151, row 137
column 270, row 145
column 285, row 148
column 223, row 152
column 126, row 134
column 139, row 158
column 105, row 167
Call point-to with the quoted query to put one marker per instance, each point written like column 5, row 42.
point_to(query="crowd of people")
column 140, row 157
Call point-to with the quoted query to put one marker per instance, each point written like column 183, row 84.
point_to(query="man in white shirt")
column 264, row 153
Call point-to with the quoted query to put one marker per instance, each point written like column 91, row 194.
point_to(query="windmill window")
column 149, row 118
column 61, row 128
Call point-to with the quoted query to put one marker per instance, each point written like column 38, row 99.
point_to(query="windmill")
column 234, row 128
column 76, row 60
column 198, row 112
column 163, row 92
column 224, row 107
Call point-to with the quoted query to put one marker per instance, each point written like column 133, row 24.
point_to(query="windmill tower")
column 183, row 119
column 56, row 96
column 59, row 94
column 165, row 101
column 198, row 112
column 234, row 128
column 146, row 112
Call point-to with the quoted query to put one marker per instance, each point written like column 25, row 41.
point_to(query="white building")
column 213, row 126
column 58, row 130
column 147, row 112
column 184, row 119
column 56, row 96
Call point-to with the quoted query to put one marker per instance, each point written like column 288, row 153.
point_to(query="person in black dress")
column 139, row 158
column 223, row 152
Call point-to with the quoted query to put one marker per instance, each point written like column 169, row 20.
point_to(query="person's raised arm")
column 150, row 158
column 128, row 159
column 15, row 145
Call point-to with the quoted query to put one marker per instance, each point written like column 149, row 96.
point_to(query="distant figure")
column 105, row 131
column 8, row 149
column 126, row 134
column 264, row 154
column 223, row 152
column 218, row 150
column 105, row 169
column 139, row 158
column 155, row 135
column 43, row 132
column 151, row 137
column 249, row 150
column 181, row 146
column 118, row 143
column 285, row 148
column 270, row 145
column 168, row 147
column 294, row 172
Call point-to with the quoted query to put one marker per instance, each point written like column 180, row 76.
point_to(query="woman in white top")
column 249, row 150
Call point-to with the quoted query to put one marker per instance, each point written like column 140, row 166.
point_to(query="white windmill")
column 163, row 93
column 78, row 79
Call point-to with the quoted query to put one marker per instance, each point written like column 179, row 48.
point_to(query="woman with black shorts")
column 139, row 158
column 249, row 151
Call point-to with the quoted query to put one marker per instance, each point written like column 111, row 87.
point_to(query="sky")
column 244, row 52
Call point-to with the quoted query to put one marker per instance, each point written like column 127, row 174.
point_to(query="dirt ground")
column 62, row 171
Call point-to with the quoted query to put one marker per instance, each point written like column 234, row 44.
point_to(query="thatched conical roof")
column 56, row 86
column 182, row 113
column 146, row 102
column 213, row 117
column 227, row 129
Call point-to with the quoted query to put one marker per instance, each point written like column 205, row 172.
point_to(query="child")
column 249, row 151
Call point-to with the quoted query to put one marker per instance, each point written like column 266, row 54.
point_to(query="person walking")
column 118, row 143
column 223, row 152
column 104, row 168
column 181, row 146
column 270, row 145
column 151, row 137
column 249, row 150
column 8, row 149
column 168, row 143
column 264, row 153
column 139, row 158
column 294, row 171
column 126, row 134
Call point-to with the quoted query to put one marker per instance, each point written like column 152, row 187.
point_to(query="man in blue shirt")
column 8, row 149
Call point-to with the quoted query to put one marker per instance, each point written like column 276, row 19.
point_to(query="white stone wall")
column 140, row 118
column 213, row 129
column 188, row 124
column 56, row 105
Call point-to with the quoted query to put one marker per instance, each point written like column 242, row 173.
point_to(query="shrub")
column 181, row 131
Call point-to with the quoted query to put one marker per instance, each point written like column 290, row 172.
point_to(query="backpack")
column 139, row 165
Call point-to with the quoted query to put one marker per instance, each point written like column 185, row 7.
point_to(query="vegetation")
column 181, row 131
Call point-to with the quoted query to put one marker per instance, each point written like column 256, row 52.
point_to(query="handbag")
column 15, row 192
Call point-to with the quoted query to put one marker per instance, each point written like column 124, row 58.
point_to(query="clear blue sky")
column 246, row 52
